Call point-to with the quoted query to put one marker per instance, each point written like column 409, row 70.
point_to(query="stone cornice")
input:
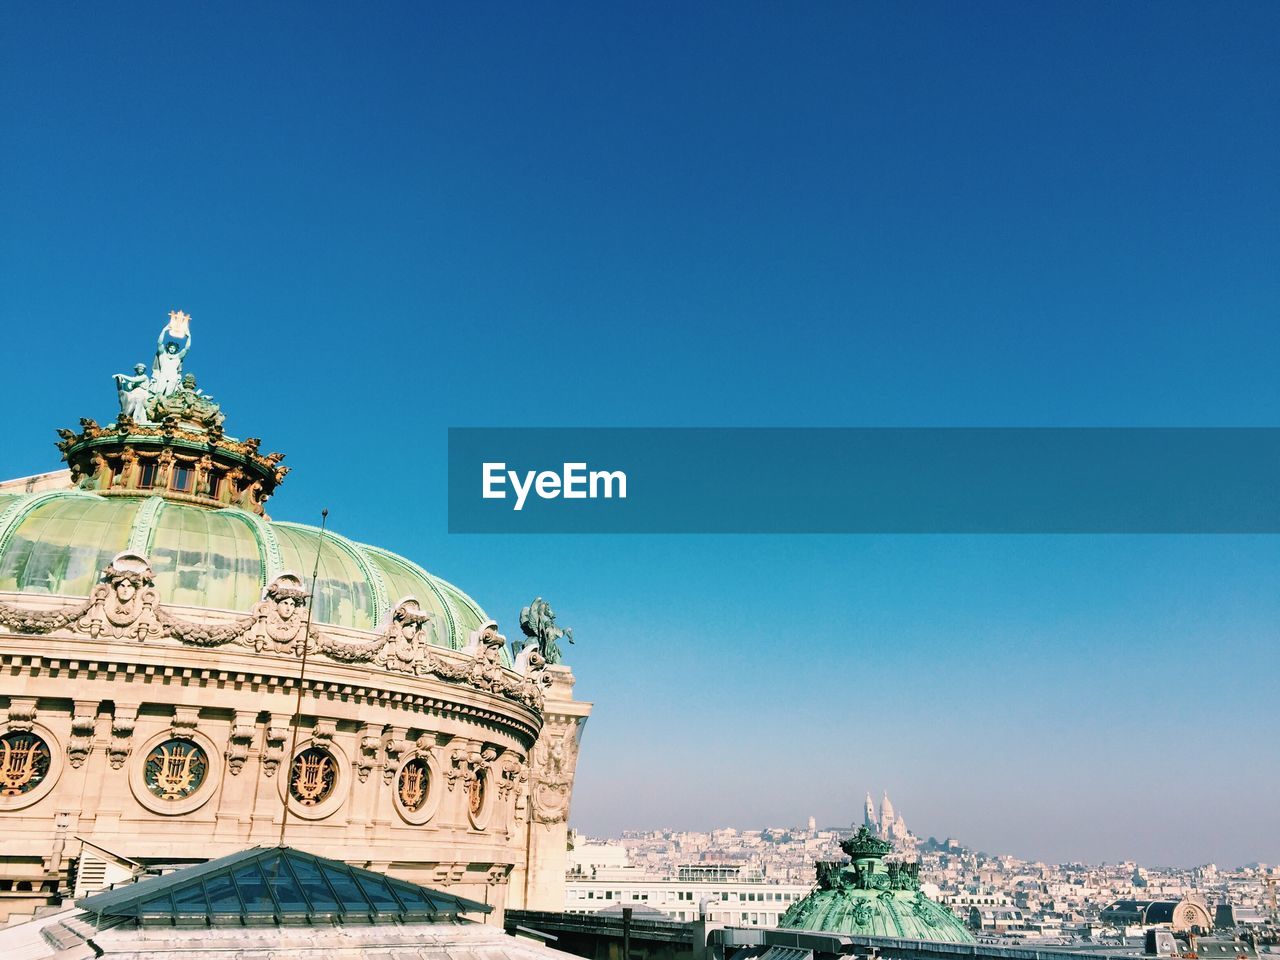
column 85, row 659
column 123, row 613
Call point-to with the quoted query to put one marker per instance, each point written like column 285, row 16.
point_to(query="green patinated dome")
column 58, row 542
column 869, row 899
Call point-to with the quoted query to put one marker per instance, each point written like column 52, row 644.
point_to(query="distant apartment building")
column 736, row 902
column 600, row 878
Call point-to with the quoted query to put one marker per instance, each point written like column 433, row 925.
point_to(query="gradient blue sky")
column 390, row 220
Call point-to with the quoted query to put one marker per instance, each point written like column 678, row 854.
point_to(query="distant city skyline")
column 754, row 876
column 800, row 828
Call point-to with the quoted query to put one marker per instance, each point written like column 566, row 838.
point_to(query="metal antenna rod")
column 302, row 676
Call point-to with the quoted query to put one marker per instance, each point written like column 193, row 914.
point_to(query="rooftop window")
column 268, row 886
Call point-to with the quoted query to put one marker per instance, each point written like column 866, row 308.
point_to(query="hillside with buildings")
column 751, row 877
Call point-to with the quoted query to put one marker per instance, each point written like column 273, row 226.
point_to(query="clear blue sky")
column 391, row 220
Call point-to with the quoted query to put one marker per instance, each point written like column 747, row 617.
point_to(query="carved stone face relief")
column 278, row 625
column 405, row 641
column 124, row 603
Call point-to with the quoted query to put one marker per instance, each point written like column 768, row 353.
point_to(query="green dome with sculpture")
column 164, row 481
column 871, row 898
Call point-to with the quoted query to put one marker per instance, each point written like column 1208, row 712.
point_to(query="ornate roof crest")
column 863, row 845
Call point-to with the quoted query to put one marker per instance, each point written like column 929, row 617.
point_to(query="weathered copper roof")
column 872, row 900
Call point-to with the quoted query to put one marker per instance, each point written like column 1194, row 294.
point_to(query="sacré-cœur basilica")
column 153, row 621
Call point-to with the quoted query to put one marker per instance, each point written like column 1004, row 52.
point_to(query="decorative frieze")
column 126, row 605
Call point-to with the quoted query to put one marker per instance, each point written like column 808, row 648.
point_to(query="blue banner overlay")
column 856, row 480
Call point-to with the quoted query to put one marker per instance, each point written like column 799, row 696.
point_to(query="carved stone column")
column 554, row 763
column 268, row 806
column 235, row 803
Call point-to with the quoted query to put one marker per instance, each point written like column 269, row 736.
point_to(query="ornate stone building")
column 153, row 627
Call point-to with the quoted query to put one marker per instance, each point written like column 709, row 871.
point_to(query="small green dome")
column 867, row 899
column 59, row 542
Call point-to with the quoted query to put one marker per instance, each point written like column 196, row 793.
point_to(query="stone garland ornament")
column 125, row 604
column 41, row 621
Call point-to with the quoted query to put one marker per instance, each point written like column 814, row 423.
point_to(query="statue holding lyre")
column 166, row 371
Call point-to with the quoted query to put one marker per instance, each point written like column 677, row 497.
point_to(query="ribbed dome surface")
column 908, row 915
column 58, row 542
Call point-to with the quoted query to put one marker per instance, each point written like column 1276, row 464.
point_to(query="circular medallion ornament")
column 175, row 769
column 476, row 794
column 413, row 785
column 314, row 775
column 24, row 763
